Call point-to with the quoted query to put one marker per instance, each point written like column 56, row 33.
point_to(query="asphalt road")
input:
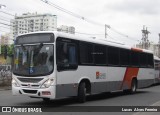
column 144, row 97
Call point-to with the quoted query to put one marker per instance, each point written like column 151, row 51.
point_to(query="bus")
column 54, row 65
column 157, row 69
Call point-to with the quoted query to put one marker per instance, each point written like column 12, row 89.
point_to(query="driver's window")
column 66, row 54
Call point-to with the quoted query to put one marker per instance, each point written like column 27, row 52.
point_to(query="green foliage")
column 2, row 49
column 10, row 49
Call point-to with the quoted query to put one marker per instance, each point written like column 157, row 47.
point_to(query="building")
column 5, row 39
column 153, row 47
column 32, row 22
column 66, row 29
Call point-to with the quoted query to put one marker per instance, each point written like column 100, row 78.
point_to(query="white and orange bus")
column 51, row 65
column 157, row 69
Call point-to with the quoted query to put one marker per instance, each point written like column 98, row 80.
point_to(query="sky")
column 127, row 17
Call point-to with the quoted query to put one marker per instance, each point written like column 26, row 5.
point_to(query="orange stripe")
column 137, row 49
column 129, row 75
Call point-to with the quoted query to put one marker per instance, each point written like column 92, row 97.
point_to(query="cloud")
column 126, row 16
column 149, row 7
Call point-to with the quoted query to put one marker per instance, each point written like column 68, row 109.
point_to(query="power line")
column 96, row 34
column 83, row 18
column 4, row 20
column 7, row 13
column 5, row 17
column 71, row 13
column 75, row 15
column 5, row 24
column 87, row 33
column 111, row 37
column 12, row 26
column 3, row 31
column 4, row 27
column 62, row 9
column 114, row 30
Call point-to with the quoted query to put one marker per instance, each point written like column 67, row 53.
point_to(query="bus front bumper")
column 35, row 92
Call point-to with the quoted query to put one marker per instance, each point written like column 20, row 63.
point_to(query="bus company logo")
column 100, row 75
column 29, row 85
column 6, row 109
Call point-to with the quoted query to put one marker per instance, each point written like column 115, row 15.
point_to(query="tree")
column 10, row 49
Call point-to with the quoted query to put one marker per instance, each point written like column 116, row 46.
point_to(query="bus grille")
column 30, row 80
column 30, row 91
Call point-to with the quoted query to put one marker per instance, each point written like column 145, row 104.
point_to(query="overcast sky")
column 126, row 16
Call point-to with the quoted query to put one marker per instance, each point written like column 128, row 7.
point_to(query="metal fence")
column 5, row 74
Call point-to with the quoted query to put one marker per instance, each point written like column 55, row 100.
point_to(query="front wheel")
column 82, row 92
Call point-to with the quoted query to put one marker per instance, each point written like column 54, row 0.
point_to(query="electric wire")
column 83, row 18
column 7, row 13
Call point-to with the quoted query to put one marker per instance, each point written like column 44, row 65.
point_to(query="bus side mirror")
column 5, row 52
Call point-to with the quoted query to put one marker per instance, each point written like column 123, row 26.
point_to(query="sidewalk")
column 2, row 88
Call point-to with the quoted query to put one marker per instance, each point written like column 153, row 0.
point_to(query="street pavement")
column 144, row 97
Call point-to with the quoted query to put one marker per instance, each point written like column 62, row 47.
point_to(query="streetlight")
column 2, row 6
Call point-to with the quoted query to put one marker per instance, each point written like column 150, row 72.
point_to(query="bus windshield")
column 33, row 60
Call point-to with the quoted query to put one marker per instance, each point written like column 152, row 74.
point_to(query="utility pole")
column 106, row 26
column 105, row 30
column 145, row 41
column 159, row 47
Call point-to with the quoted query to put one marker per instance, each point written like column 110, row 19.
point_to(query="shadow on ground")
column 72, row 100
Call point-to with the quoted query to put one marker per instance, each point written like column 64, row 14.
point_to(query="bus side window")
column 150, row 60
column 72, row 54
column 66, row 55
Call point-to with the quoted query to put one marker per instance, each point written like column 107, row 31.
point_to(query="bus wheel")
column 82, row 93
column 133, row 86
column 46, row 99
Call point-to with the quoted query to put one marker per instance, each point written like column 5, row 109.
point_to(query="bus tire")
column 133, row 86
column 82, row 92
column 46, row 99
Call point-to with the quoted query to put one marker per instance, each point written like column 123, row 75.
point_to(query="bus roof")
column 102, row 41
column 156, row 58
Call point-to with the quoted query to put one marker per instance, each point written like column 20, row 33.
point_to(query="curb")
column 5, row 88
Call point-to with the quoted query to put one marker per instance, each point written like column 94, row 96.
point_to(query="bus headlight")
column 47, row 83
column 14, row 82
